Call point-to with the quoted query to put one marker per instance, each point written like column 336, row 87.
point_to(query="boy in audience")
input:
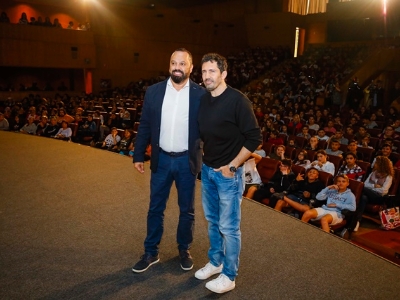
column 321, row 136
column 334, row 148
column 304, row 132
column 274, row 138
column 338, row 197
column 304, row 188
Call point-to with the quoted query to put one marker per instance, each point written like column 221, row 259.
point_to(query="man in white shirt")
column 169, row 124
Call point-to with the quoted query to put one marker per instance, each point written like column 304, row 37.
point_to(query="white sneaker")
column 208, row 270
column 221, row 284
column 356, row 228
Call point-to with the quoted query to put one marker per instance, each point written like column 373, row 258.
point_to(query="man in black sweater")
column 229, row 130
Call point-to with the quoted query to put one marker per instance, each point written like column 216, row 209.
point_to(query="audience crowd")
column 306, row 119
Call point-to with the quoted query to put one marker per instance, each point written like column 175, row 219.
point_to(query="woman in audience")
column 322, row 163
column 64, row 133
column 350, row 168
column 304, row 188
column 279, row 182
column 338, row 197
column 376, row 185
column 302, row 160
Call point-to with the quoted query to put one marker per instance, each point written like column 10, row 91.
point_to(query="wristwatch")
column 232, row 169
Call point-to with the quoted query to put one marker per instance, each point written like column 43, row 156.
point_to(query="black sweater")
column 227, row 123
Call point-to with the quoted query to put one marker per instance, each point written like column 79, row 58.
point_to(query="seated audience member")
column 42, row 125
column 63, row 116
column 338, row 197
column 32, row 113
column 312, row 144
column 386, row 150
column 64, row 133
column 110, row 123
column 260, row 151
column 52, row 129
column 251, row 177
column 284, row 130
column 376, row 186
column 87, row 129
column 365, row 143
column 24, row 19
column 330, row 127
column 362, row 132
column 322, row 163
column 301, row 159
column 292, row 142
column 125, row 145
column 278, row 120
column 279, row 182
column 17, row 124
column 274, row 138
column 110, row 141
column 4, row 125
column 295, row 124
column 369, row 124
column 388, row 133
column 125, row 117
column 30, row 127
column 312, row 125
column 57, row 23
column 350, row 167
column 339, row 136
column 334, row 148
column 70, row 25
column 304, row 188
column 4, row 18
column 321, row 136
column 396, row 125
column 279, row 153
column 268, row 126
column 352, row 147
column 304, row 132
column 349, row 131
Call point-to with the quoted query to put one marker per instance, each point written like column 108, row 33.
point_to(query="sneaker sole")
column 186, row 269
column 141, row 271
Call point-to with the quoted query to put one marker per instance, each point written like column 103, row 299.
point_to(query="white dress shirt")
column 174, row 131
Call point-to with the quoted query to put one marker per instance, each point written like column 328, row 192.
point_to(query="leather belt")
column 174, row 154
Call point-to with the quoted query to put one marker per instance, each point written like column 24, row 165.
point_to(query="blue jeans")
column 221, row 198
column 171, row 169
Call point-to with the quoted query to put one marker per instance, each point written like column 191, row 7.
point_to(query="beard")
column 178, row 79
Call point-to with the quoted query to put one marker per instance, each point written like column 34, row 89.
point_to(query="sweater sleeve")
column 323, row 194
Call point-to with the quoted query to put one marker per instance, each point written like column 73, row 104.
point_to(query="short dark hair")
column 187, row 51
column 215, row 57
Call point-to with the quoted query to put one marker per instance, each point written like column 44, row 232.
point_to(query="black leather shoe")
column 145, row 262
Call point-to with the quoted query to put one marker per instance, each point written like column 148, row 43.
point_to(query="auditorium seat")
column 365, row 166
column 336, row 160
column 368, row 153
column 267, row 168
column 298, row 169
column 290, row 152
column 268, row 147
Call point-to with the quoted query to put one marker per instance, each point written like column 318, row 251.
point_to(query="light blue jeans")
column 221, row 198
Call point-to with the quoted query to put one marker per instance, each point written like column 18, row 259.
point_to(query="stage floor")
column 73, row 221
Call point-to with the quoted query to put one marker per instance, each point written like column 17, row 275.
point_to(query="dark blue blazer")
column 150, row 123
